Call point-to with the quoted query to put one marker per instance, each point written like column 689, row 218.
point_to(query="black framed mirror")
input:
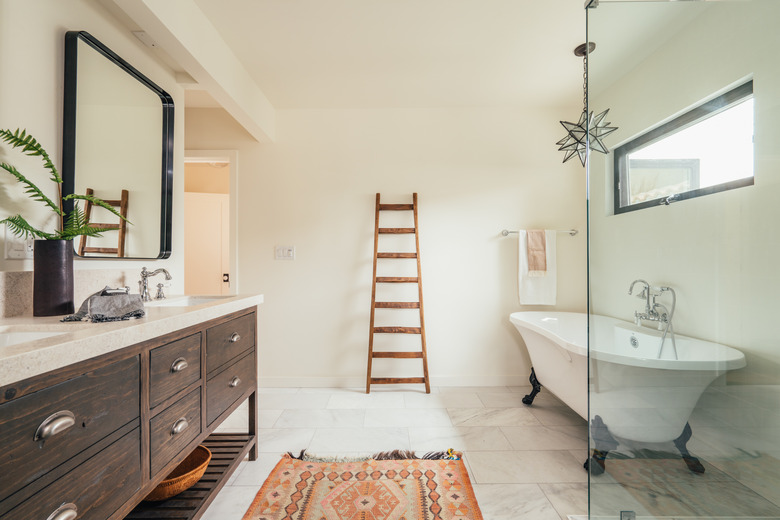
column 118, row 142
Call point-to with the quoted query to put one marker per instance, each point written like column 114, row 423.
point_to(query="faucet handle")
column 160, row 294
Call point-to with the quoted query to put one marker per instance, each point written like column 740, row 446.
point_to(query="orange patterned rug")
column 388, row 486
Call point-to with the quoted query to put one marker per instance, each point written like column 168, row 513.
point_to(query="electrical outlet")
column 284, row 253
column 17, row 248
column 627, row 515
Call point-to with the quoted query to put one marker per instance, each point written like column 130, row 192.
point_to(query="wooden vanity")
column 91, row 439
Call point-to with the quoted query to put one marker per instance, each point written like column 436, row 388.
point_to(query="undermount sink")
column 14, row 338
column 185, row 301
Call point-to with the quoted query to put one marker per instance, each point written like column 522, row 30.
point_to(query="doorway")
column 209, row 223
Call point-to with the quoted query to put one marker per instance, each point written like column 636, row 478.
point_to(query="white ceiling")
column 405, row 53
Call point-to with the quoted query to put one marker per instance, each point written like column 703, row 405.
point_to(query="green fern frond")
column 32, row 190
column 22, row 228
column 21, row 139
column 97, row 202
column 76, row 225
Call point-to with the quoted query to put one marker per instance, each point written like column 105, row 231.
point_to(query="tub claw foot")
column 537, row 387
column 596, row 463
column 693, row 464
column 681, row 444
column 603, row 442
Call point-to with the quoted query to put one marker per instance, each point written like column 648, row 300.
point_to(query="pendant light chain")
column 585, row 83
column 588, row 131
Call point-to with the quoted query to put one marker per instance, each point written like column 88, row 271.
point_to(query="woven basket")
column 186, row 475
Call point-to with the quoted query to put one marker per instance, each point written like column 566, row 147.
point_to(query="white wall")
column 720, row 251
column 476, row 172
column 31, row 87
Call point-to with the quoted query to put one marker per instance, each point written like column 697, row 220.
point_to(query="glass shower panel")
column 684, row 353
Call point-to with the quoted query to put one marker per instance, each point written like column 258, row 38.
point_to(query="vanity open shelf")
column 227, row 451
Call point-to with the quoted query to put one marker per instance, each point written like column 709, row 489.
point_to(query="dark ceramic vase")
column 53, row 278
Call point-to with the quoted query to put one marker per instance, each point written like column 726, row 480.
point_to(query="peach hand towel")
column 537, row 290
column 537, row 252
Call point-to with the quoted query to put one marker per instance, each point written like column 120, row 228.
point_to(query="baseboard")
column 360, row 382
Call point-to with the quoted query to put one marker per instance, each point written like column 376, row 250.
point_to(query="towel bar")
column 572, row 232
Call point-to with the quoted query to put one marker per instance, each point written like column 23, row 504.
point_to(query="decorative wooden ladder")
column 119, row 250
column 422, row 354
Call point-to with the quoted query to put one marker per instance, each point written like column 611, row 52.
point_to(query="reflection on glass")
column 694, row 437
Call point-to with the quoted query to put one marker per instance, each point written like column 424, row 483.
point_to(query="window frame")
column 704, row 111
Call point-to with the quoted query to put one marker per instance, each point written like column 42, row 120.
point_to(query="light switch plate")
column 627, row 515
column 17, row 248
column 284, row 253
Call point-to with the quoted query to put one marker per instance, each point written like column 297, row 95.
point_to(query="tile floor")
column 524, row 462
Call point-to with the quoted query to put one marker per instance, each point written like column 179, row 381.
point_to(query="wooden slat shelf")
column 227, row 450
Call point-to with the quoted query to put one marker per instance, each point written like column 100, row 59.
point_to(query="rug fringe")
column 382, row 455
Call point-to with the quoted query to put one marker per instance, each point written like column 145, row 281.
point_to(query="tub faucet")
column 644, row 294
column 655, row 311
column 143, row 283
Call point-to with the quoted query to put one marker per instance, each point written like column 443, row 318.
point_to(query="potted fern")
column 53, row 254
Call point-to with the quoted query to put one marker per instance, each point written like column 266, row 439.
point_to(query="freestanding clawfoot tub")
column 633, row 395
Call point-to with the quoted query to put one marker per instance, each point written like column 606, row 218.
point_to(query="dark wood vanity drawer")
column 228, row 340
column 96, row 488
column 71, row 416
column 166, row 441
column 173, row 367
column 226, row 387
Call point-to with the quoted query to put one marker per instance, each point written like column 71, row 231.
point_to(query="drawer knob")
column 65, row 512
column 235, row 337
column 235, row 382
column 55, row 423
column 179, row 364
column 179, row 426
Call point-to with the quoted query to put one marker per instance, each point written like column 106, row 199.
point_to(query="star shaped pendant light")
column 589, row 130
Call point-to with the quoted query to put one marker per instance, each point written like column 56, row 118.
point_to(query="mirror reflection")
column 118, row 139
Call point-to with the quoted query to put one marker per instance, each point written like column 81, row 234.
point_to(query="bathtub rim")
column 576, row 341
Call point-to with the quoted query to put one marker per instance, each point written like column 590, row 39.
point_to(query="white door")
column 206, row 243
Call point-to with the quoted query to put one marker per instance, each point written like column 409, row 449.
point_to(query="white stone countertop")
column 79, row 341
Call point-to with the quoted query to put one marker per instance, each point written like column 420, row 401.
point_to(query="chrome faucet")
column 644, row 294
column 143, row 284
column 652, row 308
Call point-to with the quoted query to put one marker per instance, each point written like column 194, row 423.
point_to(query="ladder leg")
column 420, row 297
column 373, row 299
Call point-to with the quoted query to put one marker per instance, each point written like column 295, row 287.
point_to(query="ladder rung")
column 396, row 380
column 113, row 250
column 396, row 255
column 397, row 305
column 103, row 226
column 397, row 354
column 396, row 230
column 113, row 202
column 396, row 330
column 396, row 279
column 396, row 207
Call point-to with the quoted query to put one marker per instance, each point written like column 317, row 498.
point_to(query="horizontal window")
column 705, row 150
